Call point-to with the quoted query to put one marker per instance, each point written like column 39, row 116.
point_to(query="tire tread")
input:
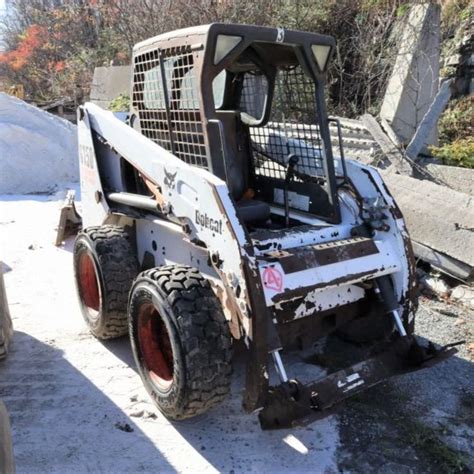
column 204, row 334
column 119, row 267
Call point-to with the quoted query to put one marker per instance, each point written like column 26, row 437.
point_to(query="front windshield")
column 292, row 128
column 276, row 95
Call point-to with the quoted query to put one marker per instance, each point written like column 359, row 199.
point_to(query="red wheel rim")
column 88, row 283
column 155, row 346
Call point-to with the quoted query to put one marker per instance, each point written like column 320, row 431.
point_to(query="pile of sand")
column 38, row 151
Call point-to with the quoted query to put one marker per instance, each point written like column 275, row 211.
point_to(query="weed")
column 426, row 440
column 120, row 103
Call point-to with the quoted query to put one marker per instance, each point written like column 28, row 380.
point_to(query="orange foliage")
column 59, row 66
column 35, row 36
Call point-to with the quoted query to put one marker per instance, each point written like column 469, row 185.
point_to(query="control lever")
column 290, row 171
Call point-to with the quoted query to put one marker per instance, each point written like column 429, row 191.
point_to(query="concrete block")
column 429, row 121
column 108, row 83
column 437, row 217
column 459, row 179
column 414, row 80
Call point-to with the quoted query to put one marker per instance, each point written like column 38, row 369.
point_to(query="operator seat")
column 237, row 168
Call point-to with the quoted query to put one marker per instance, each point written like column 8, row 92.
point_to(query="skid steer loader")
column 218, row 212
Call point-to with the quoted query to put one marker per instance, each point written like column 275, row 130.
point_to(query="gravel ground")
column 77, row 405
column 421, row 422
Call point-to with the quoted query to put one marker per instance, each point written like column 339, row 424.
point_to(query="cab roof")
column 252, row 32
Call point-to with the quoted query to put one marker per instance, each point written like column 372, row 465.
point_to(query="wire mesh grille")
column 292, row 128
column 167, row 99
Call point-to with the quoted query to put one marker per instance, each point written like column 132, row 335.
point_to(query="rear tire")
column 180, row 340
column 104, row 267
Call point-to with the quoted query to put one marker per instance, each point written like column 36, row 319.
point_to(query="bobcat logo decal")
column 169, row 178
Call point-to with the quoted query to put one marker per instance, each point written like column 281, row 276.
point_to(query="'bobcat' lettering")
column 208, row 222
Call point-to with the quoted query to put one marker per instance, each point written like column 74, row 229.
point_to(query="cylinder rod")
column 280, row 368
column 134, row 200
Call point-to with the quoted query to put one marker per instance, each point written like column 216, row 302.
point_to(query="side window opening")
column 175, row 126
column 253, row 95
column 218, row 89
column 153, row 97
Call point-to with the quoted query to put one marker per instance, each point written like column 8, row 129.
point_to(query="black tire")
column 105, row 265
column 180, row 340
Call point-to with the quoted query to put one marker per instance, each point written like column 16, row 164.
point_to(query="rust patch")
column 302, row 291
column 303, row 258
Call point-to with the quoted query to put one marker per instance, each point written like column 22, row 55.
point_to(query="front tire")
column 180, row 340
column 104, row 267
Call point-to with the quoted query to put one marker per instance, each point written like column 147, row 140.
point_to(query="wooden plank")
column 7, row 463
column 6, row 328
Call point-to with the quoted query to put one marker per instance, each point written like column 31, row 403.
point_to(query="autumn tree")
column 54, row 46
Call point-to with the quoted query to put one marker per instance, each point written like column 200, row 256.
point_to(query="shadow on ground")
column 231, row 440
column 61, row 422
column 420, row 422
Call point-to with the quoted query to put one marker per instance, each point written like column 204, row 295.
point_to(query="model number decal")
column 208, row 222
column 86, row 156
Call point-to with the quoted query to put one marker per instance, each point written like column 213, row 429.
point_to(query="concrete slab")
column 429, row 121
column 437, row 217
column 459, row 179
column 393, row 157
column 414, row 80
column 108, row 83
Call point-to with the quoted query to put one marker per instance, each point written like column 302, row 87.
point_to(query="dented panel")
column 280, row 285
column 302, row 258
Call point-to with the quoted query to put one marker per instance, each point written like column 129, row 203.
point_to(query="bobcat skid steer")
column 218, row 212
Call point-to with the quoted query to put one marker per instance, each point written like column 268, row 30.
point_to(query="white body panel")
column 200, row 201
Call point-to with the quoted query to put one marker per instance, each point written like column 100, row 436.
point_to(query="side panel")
column 164, row 241
column 197, row 199
column 161, row 242
column 94, row 210
column 370, row 185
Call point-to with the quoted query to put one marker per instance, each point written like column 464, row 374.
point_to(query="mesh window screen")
column 292, row 128
column 170, row 117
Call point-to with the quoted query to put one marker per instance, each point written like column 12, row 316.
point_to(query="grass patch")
column 120, row 104
column 458, row 153
column 426, row 440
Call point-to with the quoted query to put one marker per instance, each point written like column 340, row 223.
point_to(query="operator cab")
column 246, row 103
